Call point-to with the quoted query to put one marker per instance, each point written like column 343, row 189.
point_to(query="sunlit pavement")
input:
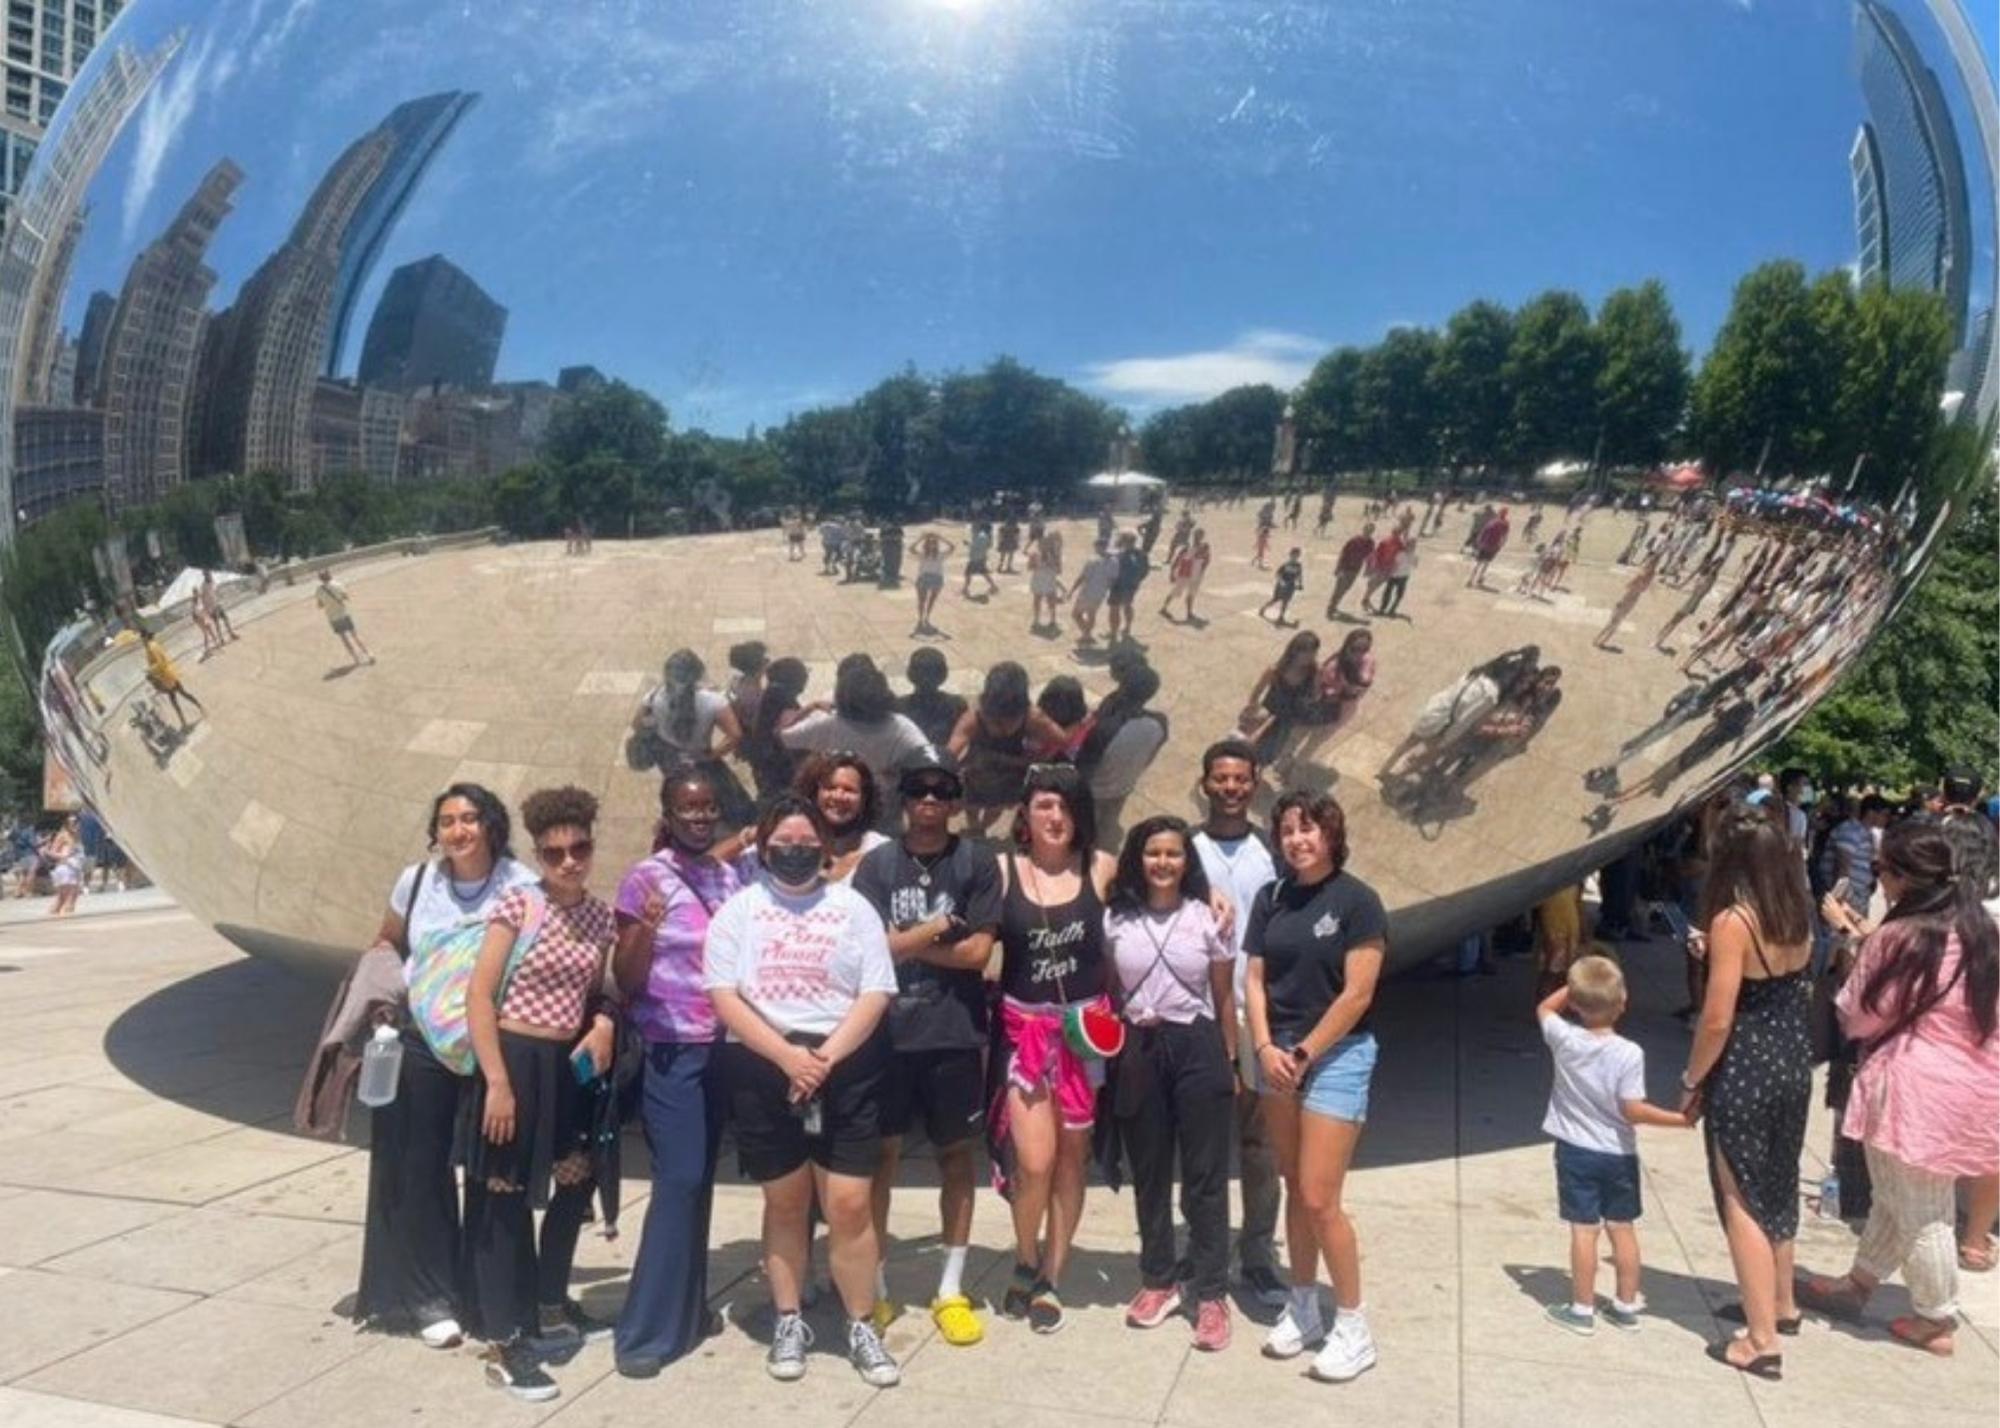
column 172, row 1252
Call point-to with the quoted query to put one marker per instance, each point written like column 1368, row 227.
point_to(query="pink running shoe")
column 1211, row 1326
column 1150, row 1307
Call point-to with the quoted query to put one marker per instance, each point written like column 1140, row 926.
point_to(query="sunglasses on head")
column 555, row 854
column 944, row 790
column 1054, row 775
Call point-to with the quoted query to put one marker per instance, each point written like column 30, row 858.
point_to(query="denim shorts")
column 1593, row 1186
column 1336, row 1085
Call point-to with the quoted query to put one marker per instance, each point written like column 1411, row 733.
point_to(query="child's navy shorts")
column 1593, row 1185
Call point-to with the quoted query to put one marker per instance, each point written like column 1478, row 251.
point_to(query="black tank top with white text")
column 1055, row 954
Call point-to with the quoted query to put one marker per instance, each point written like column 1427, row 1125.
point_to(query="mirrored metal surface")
column 1470, row 305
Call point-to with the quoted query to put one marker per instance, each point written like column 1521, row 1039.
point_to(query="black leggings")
column 512, row 1275
column 1175, row 1091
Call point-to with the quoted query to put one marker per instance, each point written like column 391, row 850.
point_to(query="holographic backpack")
column 439, row 975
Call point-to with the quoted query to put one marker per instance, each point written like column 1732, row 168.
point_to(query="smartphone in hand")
column 583, row 1066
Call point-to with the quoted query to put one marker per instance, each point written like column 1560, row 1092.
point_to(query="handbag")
column 439, row 975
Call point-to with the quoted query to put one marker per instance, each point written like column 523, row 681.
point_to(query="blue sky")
column 749, row 206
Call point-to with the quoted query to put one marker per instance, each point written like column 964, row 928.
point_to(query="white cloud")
column 161, row 118
column 1261, row 355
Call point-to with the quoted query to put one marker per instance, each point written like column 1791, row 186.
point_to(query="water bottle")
column 1829, row 1196
column 381, row 1065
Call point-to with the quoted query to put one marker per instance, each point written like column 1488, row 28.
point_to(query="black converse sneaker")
column 870, row 1359
column 514, row 1367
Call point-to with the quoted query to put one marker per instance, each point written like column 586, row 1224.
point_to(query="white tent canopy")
column 1112, row 480
column 181, row 589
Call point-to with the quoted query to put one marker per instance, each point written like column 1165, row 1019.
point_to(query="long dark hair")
column 494, row 819
column 818, row 771
column 1755, row 865
column 1935, row 904
column 1128, row 888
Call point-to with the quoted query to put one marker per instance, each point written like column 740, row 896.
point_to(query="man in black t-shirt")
column 939, row 896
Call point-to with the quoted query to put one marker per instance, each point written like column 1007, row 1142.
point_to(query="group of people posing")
column 826, row 989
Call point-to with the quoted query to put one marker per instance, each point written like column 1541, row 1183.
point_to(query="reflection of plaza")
column 299, row 790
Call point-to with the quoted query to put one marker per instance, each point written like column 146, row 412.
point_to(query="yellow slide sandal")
column 956, row 1322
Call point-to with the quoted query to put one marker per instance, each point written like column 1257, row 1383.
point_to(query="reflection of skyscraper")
column 47, row 44
column 41, row 215
column 90, row 345
column 1922, row 206
column 433, row 326
column 1871, row 223
column 150, row 353
column 270, row 341
column 44, row 318
column 416, row 131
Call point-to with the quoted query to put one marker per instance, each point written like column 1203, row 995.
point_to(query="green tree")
column 1767, row 391
column 1642, row 389
column 1890, row 386
column 1327, row 411
column 1393, row 400
column 1551, row 371
column 1475, row 409
column 898, row 423
column 821, row 451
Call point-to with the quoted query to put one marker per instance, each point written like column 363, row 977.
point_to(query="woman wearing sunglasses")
column 800, row 973
column 543, row 1040
column 1315, row 942
column 410, row 1247
column 1175, row 1082
column 664, row 908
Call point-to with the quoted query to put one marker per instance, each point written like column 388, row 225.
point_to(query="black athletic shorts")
column 771, row 1139
column 944, row 1091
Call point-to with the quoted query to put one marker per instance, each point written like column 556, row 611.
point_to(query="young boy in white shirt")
column 1598, row 1097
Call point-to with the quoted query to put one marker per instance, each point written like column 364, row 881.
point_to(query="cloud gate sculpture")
column 1612, row 375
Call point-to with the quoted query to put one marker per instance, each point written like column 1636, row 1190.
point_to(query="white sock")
column 881, row 1281
column 1638, row 1303
column 1357, row 1314
column 1584, row 1311
column 954, row 1272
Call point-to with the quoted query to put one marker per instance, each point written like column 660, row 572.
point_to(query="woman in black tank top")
column 1052, row 941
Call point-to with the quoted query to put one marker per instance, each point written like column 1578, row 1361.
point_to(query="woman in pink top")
column 1175, row 1083
column 1923, row 1000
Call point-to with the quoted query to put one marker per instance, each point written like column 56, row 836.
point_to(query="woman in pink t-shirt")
column 1175, row 1083
column 1923, row 1000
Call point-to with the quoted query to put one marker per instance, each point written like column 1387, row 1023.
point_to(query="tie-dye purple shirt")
column 674, row 1007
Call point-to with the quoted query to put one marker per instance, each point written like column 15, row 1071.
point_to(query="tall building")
column 97, row 317
column 270, row 341
column 433, row 327
column 416, row 131
column 1920, row 201
column 58, row 458
column 150, row 353
column 42, row 213
column 47, row 43
column 1871, row 221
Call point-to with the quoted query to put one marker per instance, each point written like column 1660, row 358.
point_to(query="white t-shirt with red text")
column 800, row 961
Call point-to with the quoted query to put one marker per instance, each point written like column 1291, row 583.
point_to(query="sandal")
column 1770, row 1367
column 1014, row 1303
column 1836, row 1298
column 1045, row 1309
column 1931, row 1335
column 1976, row 1259
column 1733, row 1314
column 956, row 1323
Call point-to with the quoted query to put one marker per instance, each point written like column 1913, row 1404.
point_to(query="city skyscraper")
column 31, row 289
column 416, row 130
column 97, row 317
column 151, row 352
column 269, row 342
column 433, row 326
column 47, row 43
column 1920, row 208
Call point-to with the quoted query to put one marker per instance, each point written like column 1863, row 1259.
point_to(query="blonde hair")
column 1596, row 989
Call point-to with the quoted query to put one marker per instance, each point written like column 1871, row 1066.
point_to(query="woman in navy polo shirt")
column 1314, row 943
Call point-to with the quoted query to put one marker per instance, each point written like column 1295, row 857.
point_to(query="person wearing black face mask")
column 800, row 973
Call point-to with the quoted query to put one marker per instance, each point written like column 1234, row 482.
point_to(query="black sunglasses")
column 943, row 790
column 553, row 854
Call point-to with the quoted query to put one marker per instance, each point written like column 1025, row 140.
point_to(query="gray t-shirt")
column 442, row 903
column 1595, row 1073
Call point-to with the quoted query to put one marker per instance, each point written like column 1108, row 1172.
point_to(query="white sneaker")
column 442, row 1334
column 1293, row 1335
column 1349, row 1351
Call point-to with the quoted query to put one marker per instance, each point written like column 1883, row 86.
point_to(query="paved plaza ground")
column 171, row 1253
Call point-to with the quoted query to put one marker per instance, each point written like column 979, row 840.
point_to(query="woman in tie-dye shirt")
column 664, row 905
